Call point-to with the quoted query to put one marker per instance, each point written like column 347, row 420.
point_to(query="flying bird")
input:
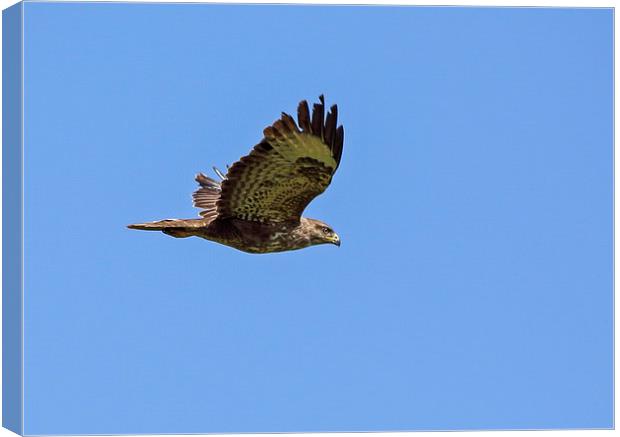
column 257, row 205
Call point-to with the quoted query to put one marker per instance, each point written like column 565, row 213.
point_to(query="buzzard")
column 257, row 205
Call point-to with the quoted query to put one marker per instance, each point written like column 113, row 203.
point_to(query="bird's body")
column 257, row 207
column 248, row 236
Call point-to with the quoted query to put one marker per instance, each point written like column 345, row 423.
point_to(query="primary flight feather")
column 258, row 204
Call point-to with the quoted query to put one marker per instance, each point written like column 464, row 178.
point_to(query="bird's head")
column 319, row 232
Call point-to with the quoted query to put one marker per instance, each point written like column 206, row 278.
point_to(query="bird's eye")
column 327, row 231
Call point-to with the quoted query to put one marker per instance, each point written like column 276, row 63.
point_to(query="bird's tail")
column 179, row 228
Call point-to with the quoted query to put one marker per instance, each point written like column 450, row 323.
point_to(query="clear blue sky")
column 473, row 288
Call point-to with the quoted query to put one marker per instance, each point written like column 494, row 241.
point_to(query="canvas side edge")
column 12, row 223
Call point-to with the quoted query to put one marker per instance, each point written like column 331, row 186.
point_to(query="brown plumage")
column 258, row 204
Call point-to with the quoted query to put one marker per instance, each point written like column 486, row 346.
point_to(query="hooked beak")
column 336, row 240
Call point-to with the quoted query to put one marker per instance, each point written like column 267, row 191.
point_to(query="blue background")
column 473, row 288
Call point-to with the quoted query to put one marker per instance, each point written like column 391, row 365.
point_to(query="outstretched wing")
column 286, row 170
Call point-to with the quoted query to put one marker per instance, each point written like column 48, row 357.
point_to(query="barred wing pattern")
column 285, row 171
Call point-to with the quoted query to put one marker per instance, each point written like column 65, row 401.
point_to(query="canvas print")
column 229, row 218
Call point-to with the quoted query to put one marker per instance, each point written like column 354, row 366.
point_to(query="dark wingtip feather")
column 338, row 144
column 318, row 117
column 303, row 116
column 289, row 122
column 330, row 126
column 324, row 128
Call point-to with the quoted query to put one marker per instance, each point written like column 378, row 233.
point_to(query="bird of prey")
column 257, row 205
